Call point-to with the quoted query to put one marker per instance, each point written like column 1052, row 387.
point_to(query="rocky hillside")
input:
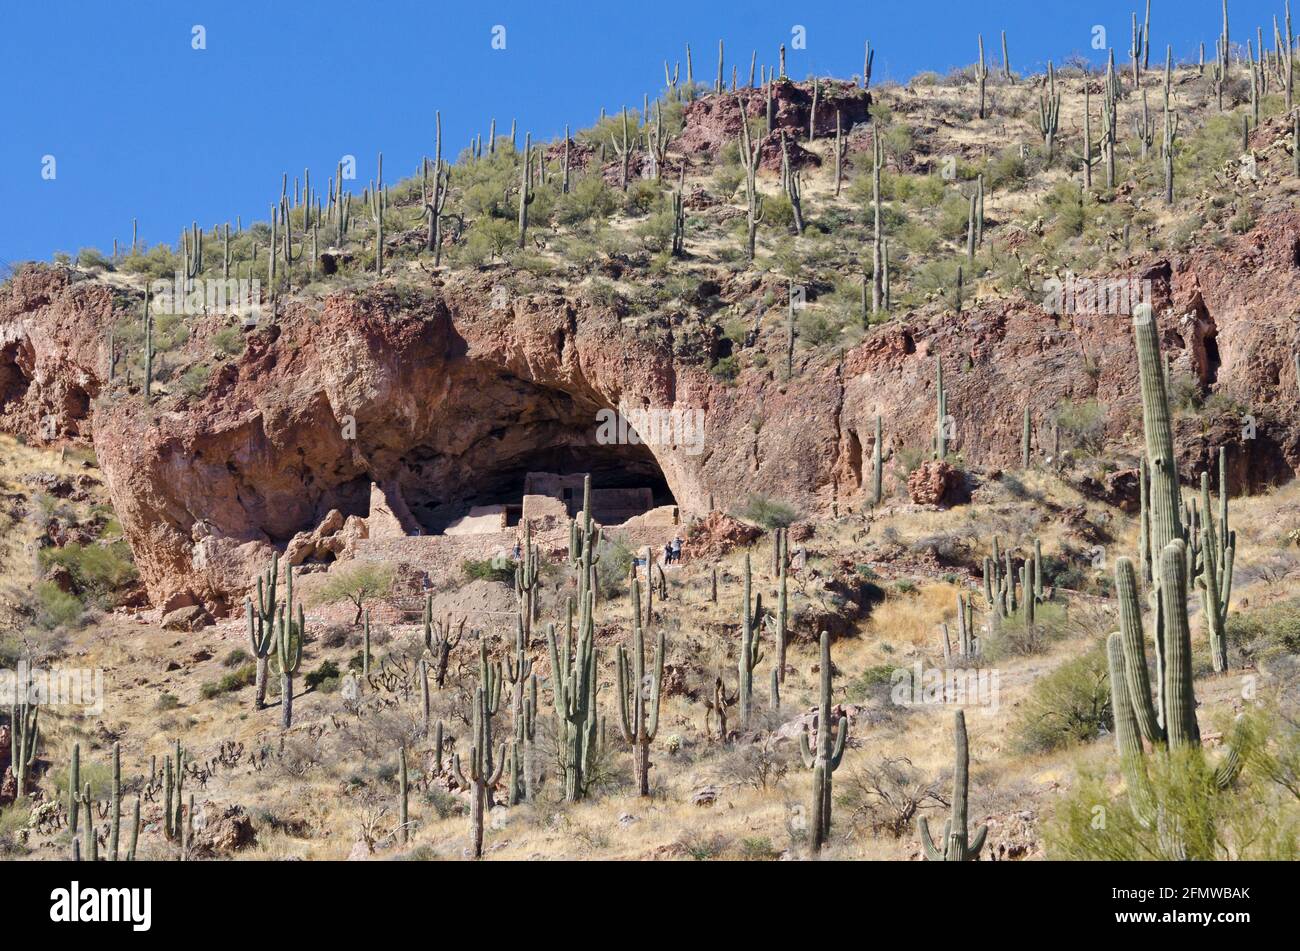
column 447, row 333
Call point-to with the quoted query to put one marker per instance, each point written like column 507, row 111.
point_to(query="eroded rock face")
column 454, row 398
column 935, row 482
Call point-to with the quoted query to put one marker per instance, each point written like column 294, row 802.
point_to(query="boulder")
column 716, row 534
column 190, row 618
column 936, row 482
column 232, row 831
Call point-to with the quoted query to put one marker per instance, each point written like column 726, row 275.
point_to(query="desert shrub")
column 614, row 565
column 760, row 765
column 641, row 196
column 758, row 849
column 1253, row 819
column 235, row 680
column 96, row 569
column 93, row 258
column 1266, row 630
column 235, row 658
column 488, row 239
column 488, row 569
column 194, row 379
column 726, row 368
column 703, row 846
column 656, row 232
column 777, row 211
column 589, row 199
column 228, row 341
column 55, row 607
column 13, row 821
column 1084, row 421
column 727, row 178
column 1006, row 171
column 166, row 701
column 98, row 774
column 1068, row 706
column 357, row 585
column 1012, row 637
column 768, row 512
column 884, row 796
column 874, row 683
column 318, row 678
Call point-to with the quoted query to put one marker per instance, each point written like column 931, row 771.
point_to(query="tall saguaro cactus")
column 289, row 636
column 24, row 732
column 828, row 752
column 639, row 693
column 749, row 155
column 261, row 622
column 941, row 413
column 957, row 844
column 482, row 774
column 751, row 651
column 1217, row 546
column 877, row 467
column 1165, row 718
column 573, row 667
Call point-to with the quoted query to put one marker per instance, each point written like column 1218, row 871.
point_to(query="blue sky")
column 142, row 125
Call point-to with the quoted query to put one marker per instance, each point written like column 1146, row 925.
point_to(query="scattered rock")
column 232, row 831
column 716, row 534
column 191, row 618
column 705, row 796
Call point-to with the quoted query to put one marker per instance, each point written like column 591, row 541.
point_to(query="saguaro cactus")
column 521, row 751
column 482, row 774
column 24, row 732
column 957, row 845
column 749, row 153
column 751, row 651
column 526, row 196
column 288, row 647
column 1026, row 439
column 1166, row 719
column 574, row 690
column 782, row 621
column 403, row 816
column 638, row 694
column 941, row 412
column 440, row 641
column 1217, row 547
column 829, row 752
column 879, row 269
column 261, row 622
column 115, row 805
column 981, row 77
column 877, row 467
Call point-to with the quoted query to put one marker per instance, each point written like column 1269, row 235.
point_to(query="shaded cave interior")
column 492, row 442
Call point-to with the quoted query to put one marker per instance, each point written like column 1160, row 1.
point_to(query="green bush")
column 726, row 368
column 236, row 657
column 328, row 670
column 1084, row 421
column 228, row 341
column 245, row 676
column 1253, row 819
column 614, row 565
column 1070, row 705
column 488, row 569
column 166, row 701
column 768, row 512
column 96, row 569
column 1266, row 630
column 55, row 607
